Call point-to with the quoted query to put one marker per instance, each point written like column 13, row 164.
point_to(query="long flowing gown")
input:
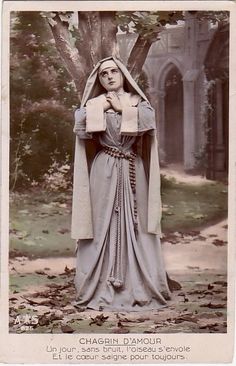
column 122, row 268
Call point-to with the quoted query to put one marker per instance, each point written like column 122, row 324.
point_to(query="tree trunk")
column 88, row 40
column 95, row 39
column 138, row 56
column 70, row 55
column 109, row 44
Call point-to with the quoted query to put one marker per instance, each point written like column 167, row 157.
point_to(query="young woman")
column 116, row 199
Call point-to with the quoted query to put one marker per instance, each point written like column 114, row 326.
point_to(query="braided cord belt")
column 116, row 273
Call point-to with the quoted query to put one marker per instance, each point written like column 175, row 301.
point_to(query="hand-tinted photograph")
column 119, row 124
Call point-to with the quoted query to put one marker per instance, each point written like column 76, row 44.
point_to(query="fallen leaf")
column 209, row 326
column 186, row 318
column 193, row 233
column 67, row 270
column 222, row 283
column 63, row 231
column 218, row 291
column 120, row 325
column 98, row 320
column 40, row 294
column 210, row 287
column 142, row 319
column 219, row 243
column 79, row 308
column 181, row 294
column 120, row 330
column 69, row 311
column 43, row 214
column 43, row 320
column 124, row 319
column 200, row 237
column 39, row 303
column 67, row 329
column 40, row 272
column 19, row 234
column 150, row 331
column 51, row 277
column 173, row 285
column 54, row 317
column 208, row 292
column 213, row 306
column 195, row 292
column 171, row 238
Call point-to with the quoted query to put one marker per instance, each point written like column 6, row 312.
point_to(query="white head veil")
column 93, row 88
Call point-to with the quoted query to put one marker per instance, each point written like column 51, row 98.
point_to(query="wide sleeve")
column 80, row 124
column 146, row 118
column 138, row 119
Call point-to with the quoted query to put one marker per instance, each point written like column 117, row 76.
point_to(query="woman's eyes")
column 105, row 73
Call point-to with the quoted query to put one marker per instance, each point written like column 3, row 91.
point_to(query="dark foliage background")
column 42, row 100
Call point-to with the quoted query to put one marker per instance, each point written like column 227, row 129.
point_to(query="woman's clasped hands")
column 112, row 101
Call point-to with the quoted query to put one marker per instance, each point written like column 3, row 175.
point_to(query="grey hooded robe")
column 119, row 258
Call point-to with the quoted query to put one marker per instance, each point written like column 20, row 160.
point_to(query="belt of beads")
column 119, row 154
column 130, row 156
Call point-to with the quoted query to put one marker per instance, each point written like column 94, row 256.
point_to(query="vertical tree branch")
column 108, row 34
column 138, row 56
column 97, row 30
column 88, row 37
column 70, row 55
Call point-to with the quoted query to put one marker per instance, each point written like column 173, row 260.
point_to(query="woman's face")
column 111, row 78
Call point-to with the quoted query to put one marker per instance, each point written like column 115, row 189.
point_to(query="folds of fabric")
column 81, row 209
column 119, row 270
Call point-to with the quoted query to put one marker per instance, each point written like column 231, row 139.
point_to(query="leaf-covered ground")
column 43, row 289
column 200, row 306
